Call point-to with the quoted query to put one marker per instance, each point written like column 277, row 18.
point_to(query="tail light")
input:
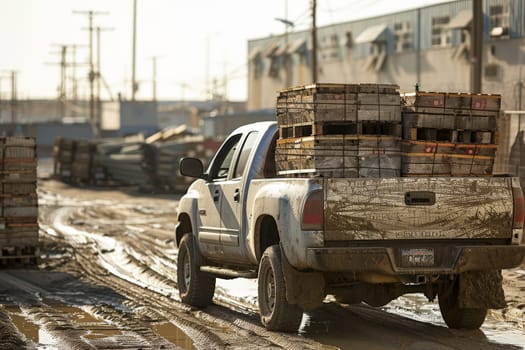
column 519, row 213
column 313, row 211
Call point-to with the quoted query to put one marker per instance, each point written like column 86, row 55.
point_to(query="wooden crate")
column 451, row 159
column 17, row 188
column 471, row 165
column 339, row 156
column 380, row 113
column 425, row 164
column 338, row 102
column 451, row 103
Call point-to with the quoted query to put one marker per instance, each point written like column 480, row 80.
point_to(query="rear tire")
column 456, row 317
column 196, row 288
column 276, row 313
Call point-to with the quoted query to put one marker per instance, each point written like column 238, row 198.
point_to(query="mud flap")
column 481, row 289
column 305, row 289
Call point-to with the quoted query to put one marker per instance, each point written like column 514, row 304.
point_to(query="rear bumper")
column 448, row 260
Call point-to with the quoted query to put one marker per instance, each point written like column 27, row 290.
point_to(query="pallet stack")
column 63, row 158
column 339, row 130
column 449, row 134
column 82, row 161
column 19, row 205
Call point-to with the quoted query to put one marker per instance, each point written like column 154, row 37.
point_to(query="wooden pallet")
column 450, row 135
column 340, row 128
column 449, row 121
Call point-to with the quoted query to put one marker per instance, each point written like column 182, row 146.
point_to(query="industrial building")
column 428, row 46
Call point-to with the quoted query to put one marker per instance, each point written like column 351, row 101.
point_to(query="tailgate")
column 418, row 208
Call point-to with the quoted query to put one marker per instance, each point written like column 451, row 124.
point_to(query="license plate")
column 417, row 257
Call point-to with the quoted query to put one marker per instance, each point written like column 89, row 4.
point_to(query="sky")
column 195, row 42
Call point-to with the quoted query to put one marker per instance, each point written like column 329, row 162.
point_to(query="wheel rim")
column 270, row 290
column 186, row 269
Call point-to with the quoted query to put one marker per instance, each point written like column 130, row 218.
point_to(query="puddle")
column 31, row 330
column 175, row 335
column 24, row 326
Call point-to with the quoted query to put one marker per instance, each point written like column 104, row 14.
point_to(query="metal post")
column 134, row 86
column 418, row 48
column 91, row 74
column 154, row 77
column 13, row 98
column 477, row 45
column 314, row 42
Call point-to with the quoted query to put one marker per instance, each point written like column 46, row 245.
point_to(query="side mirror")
column 191, row 167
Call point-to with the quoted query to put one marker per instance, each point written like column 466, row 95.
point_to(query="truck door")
column 210, row 200
column 232, row 202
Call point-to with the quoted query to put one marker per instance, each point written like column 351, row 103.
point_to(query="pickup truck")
column 359, row 239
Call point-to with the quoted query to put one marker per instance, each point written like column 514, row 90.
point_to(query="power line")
column 91, row 75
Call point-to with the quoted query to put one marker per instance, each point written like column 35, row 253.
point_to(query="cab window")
column 223, row 162
column 246, row 150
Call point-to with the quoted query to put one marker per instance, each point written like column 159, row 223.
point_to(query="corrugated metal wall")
column 449, row 9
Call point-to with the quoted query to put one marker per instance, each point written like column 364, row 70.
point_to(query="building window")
column 440, row 32
column 275, row 64
column 499, row 20
column 402, row 36
column 349, row 41
column 330, row 47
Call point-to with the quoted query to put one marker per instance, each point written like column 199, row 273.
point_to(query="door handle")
column 236, row 195
column 216, row 195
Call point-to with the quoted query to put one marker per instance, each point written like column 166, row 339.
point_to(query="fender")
column 283, row 201
column 189, row 205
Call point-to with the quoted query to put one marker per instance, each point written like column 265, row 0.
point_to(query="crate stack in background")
column 63, row 149
column 449, row 134
column 19, row 203
column 339, row 130
column 82, row 161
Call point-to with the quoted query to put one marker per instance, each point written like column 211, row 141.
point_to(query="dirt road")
column 107, row 280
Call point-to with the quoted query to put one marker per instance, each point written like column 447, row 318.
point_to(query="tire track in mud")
column 223, row 327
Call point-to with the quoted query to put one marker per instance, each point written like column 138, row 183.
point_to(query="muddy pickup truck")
column 359, row 239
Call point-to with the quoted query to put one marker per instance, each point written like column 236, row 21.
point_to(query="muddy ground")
column 106, row 279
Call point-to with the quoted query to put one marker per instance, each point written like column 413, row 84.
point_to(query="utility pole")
column 65, row 62
column 287, row 23
column 154, row 77
column 477, row 45
column 74, row 75
column 14, row 99
column 134, row 86
column 91, row 75
column 314, row 42
column 98, row 76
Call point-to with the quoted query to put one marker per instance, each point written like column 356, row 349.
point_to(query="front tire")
column 196, row 288
column 456, row 317
column 276, row 313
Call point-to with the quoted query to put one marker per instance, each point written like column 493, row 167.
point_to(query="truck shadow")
column 362, row 326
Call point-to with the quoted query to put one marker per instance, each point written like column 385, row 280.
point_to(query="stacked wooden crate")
column 449, row 134
column 339, row 130
column 19, row 205
column 81, row 165
column 63, row 157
